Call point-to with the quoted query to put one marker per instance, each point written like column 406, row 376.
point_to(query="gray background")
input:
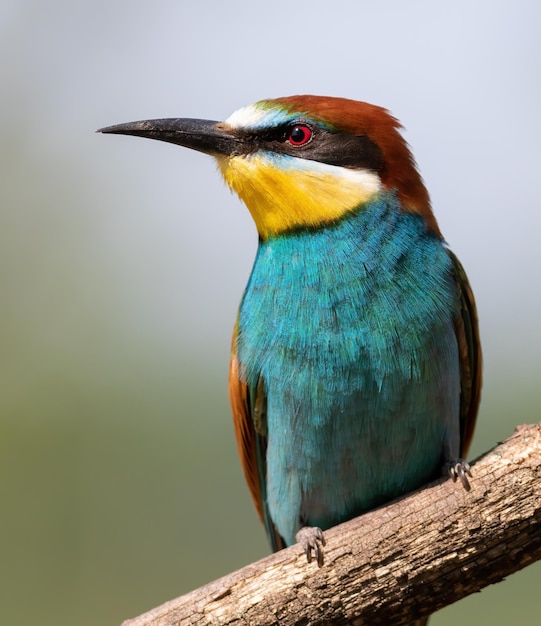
column 123, row 261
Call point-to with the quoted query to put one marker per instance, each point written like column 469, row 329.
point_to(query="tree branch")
column 394, row 564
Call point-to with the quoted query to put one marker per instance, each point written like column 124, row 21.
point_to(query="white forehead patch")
column 262, row 114
column 250, row 116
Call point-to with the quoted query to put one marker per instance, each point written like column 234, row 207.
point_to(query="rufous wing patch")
column 244, row 429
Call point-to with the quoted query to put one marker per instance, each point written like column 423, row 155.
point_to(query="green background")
column 123, row 261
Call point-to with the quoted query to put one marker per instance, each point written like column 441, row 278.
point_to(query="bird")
column 355, row 369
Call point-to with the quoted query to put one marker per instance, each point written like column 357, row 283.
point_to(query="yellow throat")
column 284, row 193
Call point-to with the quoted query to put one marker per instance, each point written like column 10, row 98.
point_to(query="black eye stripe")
column 332, row 147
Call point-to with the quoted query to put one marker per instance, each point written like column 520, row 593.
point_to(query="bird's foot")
column 311, row 539
column 459, row 468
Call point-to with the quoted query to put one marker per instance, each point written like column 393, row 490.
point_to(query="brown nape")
column 399, row 170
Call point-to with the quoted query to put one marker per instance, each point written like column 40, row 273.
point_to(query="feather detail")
column 250, row 432
column 244, row 428
column 469, row 350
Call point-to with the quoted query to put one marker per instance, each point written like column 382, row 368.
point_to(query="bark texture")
column 392, row 565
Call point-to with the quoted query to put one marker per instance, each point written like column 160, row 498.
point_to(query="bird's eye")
column 299, row 135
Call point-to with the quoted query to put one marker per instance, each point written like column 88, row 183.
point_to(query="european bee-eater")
column 356, row 366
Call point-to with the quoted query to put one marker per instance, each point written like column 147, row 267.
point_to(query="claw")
column 460, row 468
column 311, row 538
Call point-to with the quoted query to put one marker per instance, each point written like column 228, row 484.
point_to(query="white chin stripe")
column 363, row 178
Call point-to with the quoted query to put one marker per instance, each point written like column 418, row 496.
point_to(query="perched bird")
column 356, row 365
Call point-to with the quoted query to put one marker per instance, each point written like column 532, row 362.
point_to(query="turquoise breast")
column 350, row 327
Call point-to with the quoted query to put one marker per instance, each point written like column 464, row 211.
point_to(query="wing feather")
column 469, row 347
column 239, row 398
column 249, row 419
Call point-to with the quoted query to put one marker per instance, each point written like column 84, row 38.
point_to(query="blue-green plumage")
column 349, row 329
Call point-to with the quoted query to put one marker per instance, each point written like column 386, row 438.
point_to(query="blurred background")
column 123, row 261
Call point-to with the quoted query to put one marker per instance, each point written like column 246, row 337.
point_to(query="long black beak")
column 206, row 136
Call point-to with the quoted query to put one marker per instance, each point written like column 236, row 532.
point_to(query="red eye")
column 299, row 135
